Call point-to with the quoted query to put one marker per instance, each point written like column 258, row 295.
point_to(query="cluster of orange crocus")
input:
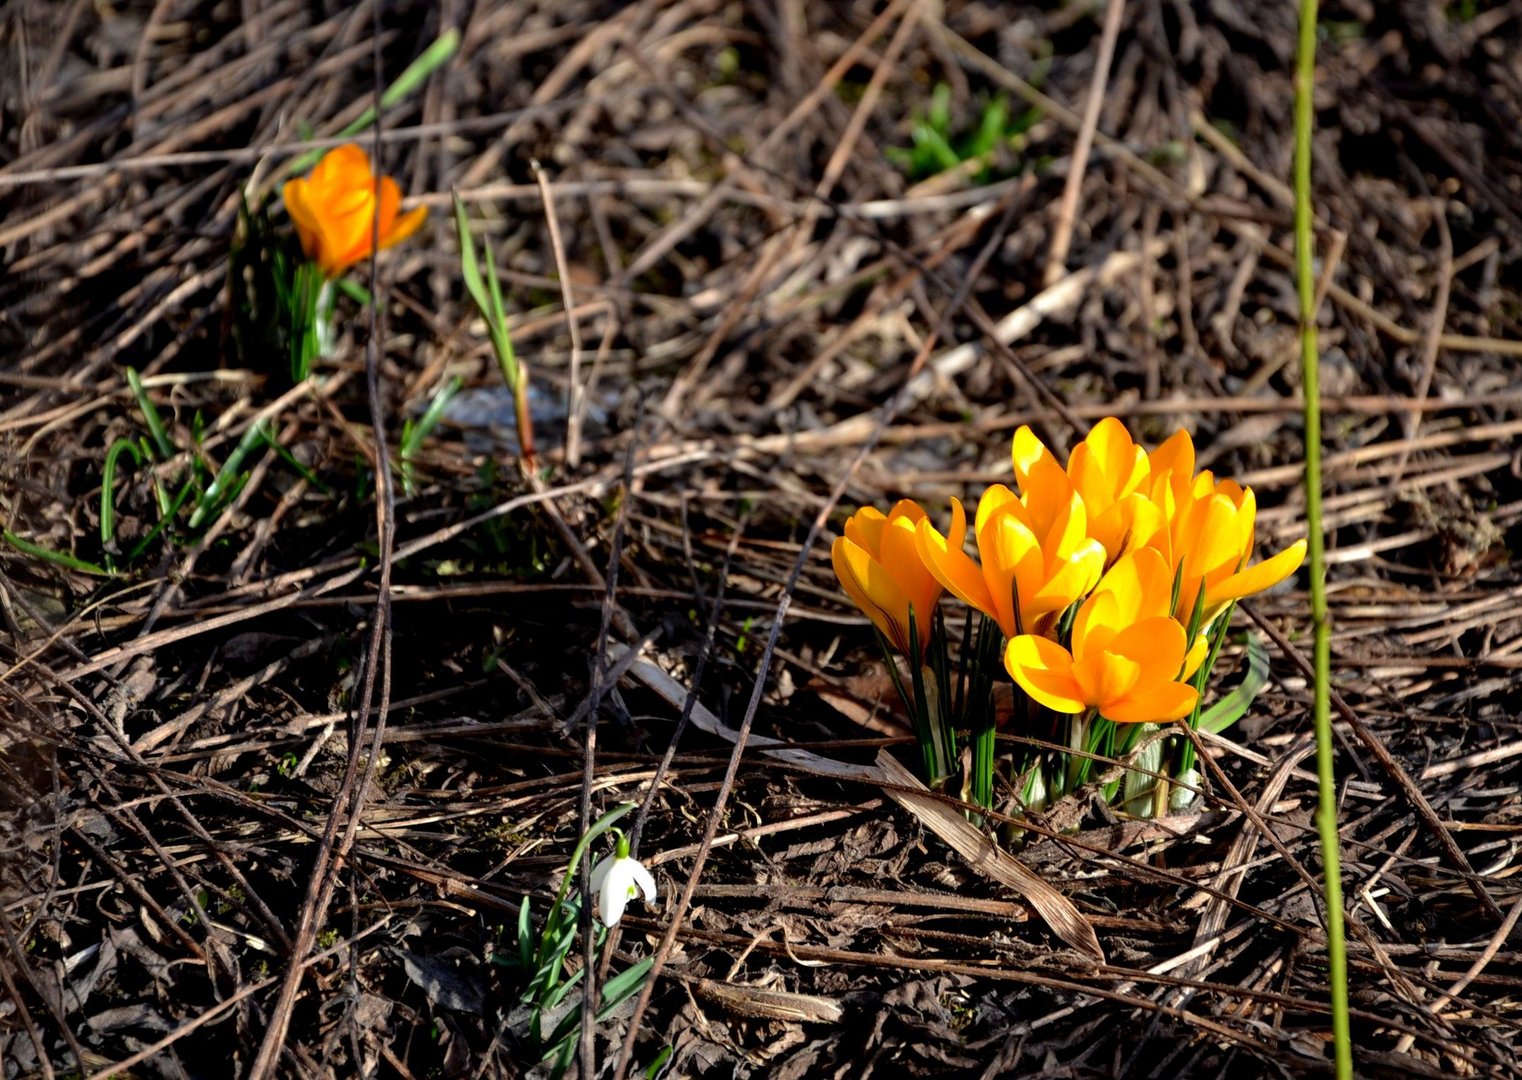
column 1096, row 572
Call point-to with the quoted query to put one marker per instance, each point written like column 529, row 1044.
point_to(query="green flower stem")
column 1326, row 813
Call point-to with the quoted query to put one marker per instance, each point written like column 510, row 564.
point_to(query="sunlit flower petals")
column 872, row 590
column 1106, row 677
column 337, row 214
column 1011, row 556
column 953, row 568
column 879, row 565
column 1255, row 579
column 1028, row 452
column 1139, row 586
column 1173, row 459
column 1156, row 644
column 1068, row 529
column 865, row 528
column 615, row 881
column 1215, row 539
column 1107, row 465
column 1074, row 577
column 1169, row 701
column 1044, row 670
column 1097, row 622
column 1130, row 523
column 996, row 498
column 1194, row 658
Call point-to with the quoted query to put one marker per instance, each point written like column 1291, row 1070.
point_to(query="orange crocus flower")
column 881, row 572
column 1039, row 554
column 1212, row 541
column 335, row 212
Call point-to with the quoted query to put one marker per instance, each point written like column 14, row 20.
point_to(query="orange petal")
column 1043, row 669
column 873, row 591
column 1106, row 677
column 950, row 565
column 901, row 558
column 865, row 528
column 1175, row 459
column 297, row 205
column 1157, row 647
column 1171, row 701
column 406, row 225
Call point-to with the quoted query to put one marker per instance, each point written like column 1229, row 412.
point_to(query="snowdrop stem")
column 600, row 826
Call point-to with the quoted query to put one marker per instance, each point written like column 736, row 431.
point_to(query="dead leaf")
column 1066, row 921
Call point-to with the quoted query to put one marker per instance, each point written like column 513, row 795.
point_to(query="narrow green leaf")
column 1234, row 705
column 150, row 416
column 416, row 73
column 222, row 489
column 525, row 937
column 58, row 557
column 107, row 500
column 658, row 1066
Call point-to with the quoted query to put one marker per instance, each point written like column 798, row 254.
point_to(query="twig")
column 587, row 1048
column 333, row 849
column 1072, row 187
column 576, row 404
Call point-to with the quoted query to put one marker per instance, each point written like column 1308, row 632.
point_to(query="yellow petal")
column 1264, row 575
column 1043, row 669
column 1027, row 452
column 1107, row 465
column 1010, row 554
column 996, row 498
column 1096, row 624
column 1174, row 459
column 900, row 556
column 1194, row 658
column 1074, row 578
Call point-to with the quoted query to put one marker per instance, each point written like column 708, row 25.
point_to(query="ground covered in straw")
column 754, row 269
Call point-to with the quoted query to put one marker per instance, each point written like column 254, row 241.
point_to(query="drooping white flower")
column 616, row 880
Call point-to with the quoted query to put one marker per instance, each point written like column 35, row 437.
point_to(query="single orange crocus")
column 1039, row 556
column 335, row 210
column 880, row 569
column 1211, row 540
column 1128, row 654
column 1108, row 471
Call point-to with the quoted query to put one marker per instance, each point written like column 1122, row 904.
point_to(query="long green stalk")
column 1326, row 812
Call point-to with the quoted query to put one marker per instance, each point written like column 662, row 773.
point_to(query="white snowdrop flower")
column 618, row 879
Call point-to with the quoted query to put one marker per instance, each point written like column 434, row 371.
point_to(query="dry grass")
column 753, row 281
